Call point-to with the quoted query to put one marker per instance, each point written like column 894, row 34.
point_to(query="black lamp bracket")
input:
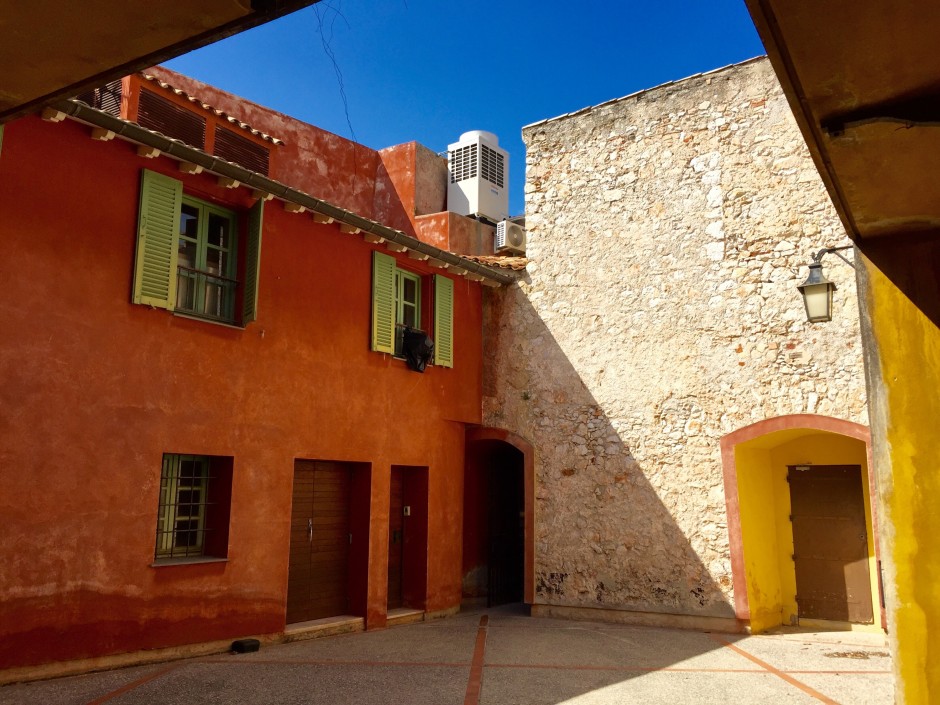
column 817, row 258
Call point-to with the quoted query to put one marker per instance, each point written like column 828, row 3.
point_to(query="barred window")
column 191, row 520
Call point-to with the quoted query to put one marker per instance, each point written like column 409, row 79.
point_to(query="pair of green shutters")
column 161, row 200
column 383, row 311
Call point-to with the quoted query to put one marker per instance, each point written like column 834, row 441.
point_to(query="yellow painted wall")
column 900, row 303
column 759, row 535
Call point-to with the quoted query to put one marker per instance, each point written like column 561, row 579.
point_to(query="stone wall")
column 666, row 234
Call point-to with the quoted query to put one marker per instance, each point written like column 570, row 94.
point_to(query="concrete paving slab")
column 521, row 661
column 571, row 643
column 572, row 687
column 299, row 684
column 789, row 654
column 425, row 642
column 854, row 688
column 77, row 690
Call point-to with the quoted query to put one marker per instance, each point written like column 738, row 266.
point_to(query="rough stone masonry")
column 667, row 232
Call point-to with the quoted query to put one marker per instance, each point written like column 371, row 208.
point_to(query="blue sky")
column 428, row 70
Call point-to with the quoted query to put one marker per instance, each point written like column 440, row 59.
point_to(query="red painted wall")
column 94, row 389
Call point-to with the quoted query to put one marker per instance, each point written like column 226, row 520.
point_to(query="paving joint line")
column 328, row 662
column 776, row 671
column 475, row 682
column 133, row 685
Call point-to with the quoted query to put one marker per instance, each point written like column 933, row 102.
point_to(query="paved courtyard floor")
column 501, row 657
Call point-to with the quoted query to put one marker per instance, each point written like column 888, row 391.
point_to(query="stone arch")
column 780, row 430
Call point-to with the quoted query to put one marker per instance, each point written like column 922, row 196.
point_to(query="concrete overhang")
column 863, row 80
column 52, row 49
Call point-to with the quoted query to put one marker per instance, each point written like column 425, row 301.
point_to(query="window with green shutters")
column 398, row 301
column 188, row 251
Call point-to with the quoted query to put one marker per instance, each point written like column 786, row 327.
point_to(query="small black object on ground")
column 245, row 646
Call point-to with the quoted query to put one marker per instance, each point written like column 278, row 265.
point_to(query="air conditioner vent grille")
column 492, row 165
column 463, row 163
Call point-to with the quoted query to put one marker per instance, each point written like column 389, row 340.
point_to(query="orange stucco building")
column 207, row 433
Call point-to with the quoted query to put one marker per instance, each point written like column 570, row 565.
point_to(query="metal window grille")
column 492, row 167
column 463, row 163
column 204, row 293
column 184, row 493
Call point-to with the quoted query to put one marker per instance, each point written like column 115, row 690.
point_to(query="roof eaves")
column 176, row 149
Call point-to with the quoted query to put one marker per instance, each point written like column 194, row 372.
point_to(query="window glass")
column 218, row 230
column 189, row 221
column 181, row 519
column 206, row 267
column 407, row 304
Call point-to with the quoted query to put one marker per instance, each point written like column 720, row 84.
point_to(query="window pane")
column 185, row 291
column 410, row 293
column 189, row 221
column 216, row 261
column 219, row 235
column 409, row 316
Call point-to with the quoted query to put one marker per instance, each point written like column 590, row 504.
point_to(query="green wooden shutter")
column 253, row 262
column 383, row 303
column 443, row 321
column 157, row 230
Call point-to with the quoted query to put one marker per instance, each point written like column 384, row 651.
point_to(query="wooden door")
column 319, row 549
column 830, row 543
column 396, row 539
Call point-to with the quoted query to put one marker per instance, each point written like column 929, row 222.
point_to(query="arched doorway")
column 800, row 523
column 498, row 522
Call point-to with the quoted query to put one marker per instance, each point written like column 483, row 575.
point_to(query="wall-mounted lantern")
column 817, row 290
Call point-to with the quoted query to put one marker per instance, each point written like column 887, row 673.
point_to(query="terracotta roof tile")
column 205, row 106
column 500, row 261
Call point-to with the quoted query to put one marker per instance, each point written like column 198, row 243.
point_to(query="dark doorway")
column 322, row 557
column 830, row 542
column 494, row 524
column 396, row 539
column 408, row 537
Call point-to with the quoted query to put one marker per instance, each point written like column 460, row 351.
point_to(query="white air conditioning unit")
column 510, row 237
column 479, row 176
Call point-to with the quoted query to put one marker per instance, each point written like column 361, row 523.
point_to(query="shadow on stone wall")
column 608, row 531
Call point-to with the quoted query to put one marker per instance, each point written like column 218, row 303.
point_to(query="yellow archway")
column 761, row 532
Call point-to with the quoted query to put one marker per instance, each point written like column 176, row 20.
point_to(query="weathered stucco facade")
column 658, row 312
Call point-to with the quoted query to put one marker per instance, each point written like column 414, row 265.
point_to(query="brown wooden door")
column 319, row 548
column 830, row 543
column 396, row 539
